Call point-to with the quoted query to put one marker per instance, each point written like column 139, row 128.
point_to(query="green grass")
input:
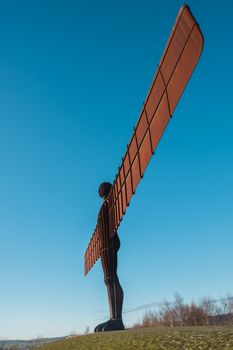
column 190, row 338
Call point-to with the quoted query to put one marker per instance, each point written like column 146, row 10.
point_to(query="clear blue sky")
column 73, row 76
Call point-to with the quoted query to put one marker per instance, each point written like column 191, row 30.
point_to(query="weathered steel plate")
column 177, row 64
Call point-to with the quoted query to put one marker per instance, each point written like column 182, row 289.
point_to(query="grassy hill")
column 190, row 338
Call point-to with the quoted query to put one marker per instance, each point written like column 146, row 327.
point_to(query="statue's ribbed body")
column 108, row 253
column 175, row 68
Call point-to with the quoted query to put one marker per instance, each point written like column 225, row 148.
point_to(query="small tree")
column 207, row 304
column 150, row 319
column 227, row 305
column 87, row 330
column 180, row 310
column 197, row 316
column 168, row 314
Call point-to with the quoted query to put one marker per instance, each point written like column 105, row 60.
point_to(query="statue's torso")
column 104, row 233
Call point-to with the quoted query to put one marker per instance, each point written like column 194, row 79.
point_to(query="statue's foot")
column 99, row 327
column 111, row 325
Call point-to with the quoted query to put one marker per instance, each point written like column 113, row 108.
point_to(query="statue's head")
column 104, row 189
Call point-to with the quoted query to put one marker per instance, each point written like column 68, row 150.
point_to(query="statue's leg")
column 115, row 292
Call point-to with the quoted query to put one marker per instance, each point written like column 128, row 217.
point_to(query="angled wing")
column 93, row 251
column 178, row 61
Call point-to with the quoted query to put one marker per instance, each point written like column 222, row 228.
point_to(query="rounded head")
column 104, row 189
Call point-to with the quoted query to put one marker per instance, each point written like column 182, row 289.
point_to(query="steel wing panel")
column 178, row 61
column 93, row 252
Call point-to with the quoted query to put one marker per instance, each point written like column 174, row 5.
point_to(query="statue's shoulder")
column 103, row 209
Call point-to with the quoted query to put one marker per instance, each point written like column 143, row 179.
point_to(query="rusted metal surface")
column 108, row 253
column 178, row 61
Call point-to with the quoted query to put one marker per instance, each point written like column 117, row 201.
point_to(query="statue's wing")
column 93, row 251
column 178, row 61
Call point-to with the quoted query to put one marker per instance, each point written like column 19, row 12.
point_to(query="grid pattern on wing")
column 178, row 61
column 93, row 251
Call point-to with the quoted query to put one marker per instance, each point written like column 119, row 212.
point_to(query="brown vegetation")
column 178, row 314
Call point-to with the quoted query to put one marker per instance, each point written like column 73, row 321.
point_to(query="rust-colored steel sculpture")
column 178, row 61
